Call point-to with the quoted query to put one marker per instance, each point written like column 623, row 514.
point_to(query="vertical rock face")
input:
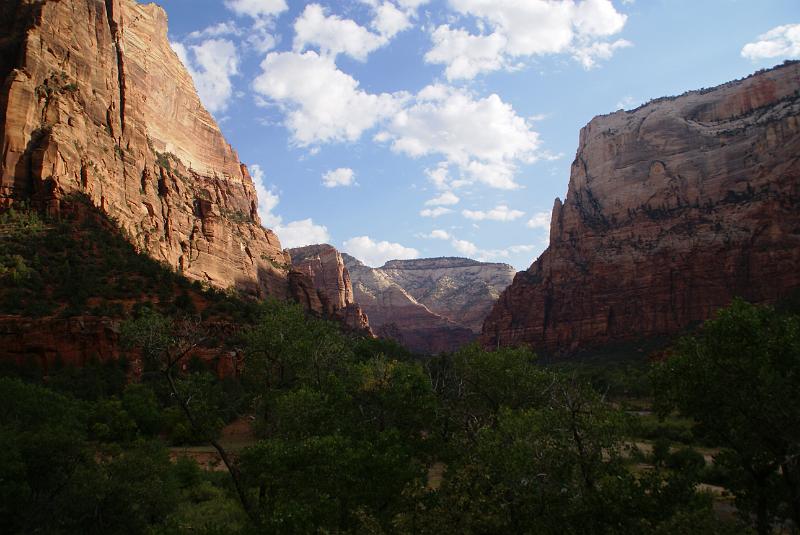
column 429, row 305
column 330, row 281
column 672, row 210
column 94, row 101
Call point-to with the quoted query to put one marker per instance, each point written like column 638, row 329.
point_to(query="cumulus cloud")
column 334, row 35
column 263, row 14
column 484, row 137
column 343, row 176
column 465, row 247
column 211, row 64
column 376, row 254
column 389, row 20
column 466, row 55
column 520, row 30
column 322, row 103
column 448, row 198
column 292, row 234
column 780, row 42
column 499, row 213
column 437, row 234
column 435, row 212
column 540, row 220
column 257, row 8
column 588, row 55
column 301, row 233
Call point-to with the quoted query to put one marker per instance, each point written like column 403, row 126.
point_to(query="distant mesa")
column 672, row 210
column 429, row 305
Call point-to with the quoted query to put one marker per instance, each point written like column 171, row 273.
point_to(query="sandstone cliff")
column 672, row 210
column 94, row 101
column 429, row 305
column 459, row 289
column 324, row 266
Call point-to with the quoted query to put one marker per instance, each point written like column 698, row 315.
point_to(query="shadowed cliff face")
column 429, row 305
column 672, row 210
column 95, row 101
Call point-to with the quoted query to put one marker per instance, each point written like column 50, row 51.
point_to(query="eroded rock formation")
column 331, row 286
column 672, row 210
column 428, row 305
column 95, row 101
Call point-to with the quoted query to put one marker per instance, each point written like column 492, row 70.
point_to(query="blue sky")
column 420, row 128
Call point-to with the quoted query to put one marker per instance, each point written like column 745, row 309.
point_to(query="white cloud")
column 589, row 54
column 257, row 8
column 263, row 13
column 465, row 247
column 540, row 220
column 484, row 137
column 292, row 234
column 499, row 213
column 322, row 103
column 466, row 55
column 376, row 254
column 338, row 177
column 300, row 233
column 782, row 41
column 211, row 65
column 437, row 234
column 448, row 198
column 523, row 29
column 267, row 199
column 216, row 30
column 471, row 250
column 626, row 103
column 412, row 4
column 333, row 35
column 389, row 21
column 435, row 212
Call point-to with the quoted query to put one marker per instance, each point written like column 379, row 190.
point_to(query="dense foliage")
column 356, row 435
column 739, row 378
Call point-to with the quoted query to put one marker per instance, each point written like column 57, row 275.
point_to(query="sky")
column 397, row 129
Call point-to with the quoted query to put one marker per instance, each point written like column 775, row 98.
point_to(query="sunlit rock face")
column 95, row 101
column 673, row 209
column 428, row 305
column 324, row 267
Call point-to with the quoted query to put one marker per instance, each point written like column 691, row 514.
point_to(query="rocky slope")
column 324, row 266
column 672, row 210
column 429, row 305
column 94, row 101
column 459, row 289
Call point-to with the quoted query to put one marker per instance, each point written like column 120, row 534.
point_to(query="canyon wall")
column 428, row 305
column 324, row 266
column 672, row 210
column 95, row 102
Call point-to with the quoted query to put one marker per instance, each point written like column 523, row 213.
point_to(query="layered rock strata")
column 672, row 210
column 95, row 101
column 324, row 267
column 428, row 305
column 459, row 289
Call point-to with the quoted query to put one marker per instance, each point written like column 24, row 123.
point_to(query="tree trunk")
column 229, row 464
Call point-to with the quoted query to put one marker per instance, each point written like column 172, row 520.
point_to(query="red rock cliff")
column 95, row 101
column 324, row 266
column 672, row 210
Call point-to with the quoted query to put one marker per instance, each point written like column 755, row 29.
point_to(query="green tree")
column 166, row 343
column 738, row 378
